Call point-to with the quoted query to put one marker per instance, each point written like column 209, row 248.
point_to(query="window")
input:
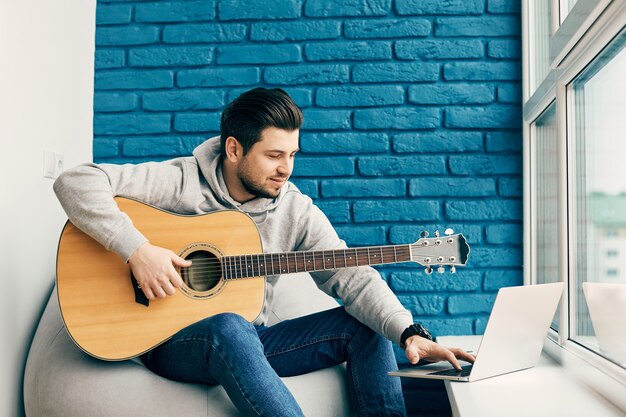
column 599, row 189
column 575, row 155
column 544, row 144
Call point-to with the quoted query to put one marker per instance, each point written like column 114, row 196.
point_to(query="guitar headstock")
column 450, row 249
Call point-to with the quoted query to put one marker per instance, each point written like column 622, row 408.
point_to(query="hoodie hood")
column 209, row 161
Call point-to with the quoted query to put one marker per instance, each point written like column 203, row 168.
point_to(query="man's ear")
column 233, row 149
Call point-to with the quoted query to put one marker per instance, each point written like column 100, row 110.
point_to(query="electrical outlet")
column 52, row 164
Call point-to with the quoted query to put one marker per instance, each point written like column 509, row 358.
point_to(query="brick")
column 478, row 26
column 448, row 326
column 452, row 187
column 362, row 235
column 303, row 96
column 487, row 209
column 396, row 210
column 109, row 58
column 397, row 118
column 258, row 54
column 504, row 49
column 307, row 74
column 157, row 146
column 437, row 142
column 438, row 7
column 307, row 187
column 364, row 96
column 418, row 281
column 439, row 49
column 126, row 35
column 170, row 56
column 445, row 93
column 336, row 211
column 510, row 187
column 504, row 6
column 392, row 165
column 491, row 117
column 505, row 234
column 350, row 143
column 504, row 142
column 106, row 148
column 295, row 31
column 347, row 8
column 131, row 124
column 510, row 93
column 183, row 100
column 113, row 14
column 131, row 80
column 423, row 305
column 387, row 28
column 324, row 167
column 410, row 234
column 218, row 77
column 258, row 10
column 189, row 11
column 471, row 303
column 494, row 280
column 315, row 119
column 197, row 122
column 496, row 257
column 485, row 165
column 111, row 102
column 480, row 324
column 204, row 33
column 395, row 72
column 363, row 188
column 341, row 51
column 482, row 71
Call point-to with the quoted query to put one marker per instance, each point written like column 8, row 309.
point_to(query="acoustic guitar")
column 108, row 316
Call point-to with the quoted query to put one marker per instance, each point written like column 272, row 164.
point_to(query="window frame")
column 588, row 28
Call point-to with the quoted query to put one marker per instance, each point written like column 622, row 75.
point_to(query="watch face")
column 421, row 330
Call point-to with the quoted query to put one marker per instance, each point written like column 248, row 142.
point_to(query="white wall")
column 46, row 102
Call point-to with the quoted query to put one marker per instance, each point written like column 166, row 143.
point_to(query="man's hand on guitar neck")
column 418, row 348
column 154, row 270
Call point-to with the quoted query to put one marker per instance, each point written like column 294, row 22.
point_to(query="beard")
column 257, row 186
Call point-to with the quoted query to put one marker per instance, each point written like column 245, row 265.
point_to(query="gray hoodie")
column 194, row 185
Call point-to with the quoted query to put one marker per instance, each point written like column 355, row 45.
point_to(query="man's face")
column 268, row 164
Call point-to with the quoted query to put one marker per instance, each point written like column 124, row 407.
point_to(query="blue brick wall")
column 412, row 117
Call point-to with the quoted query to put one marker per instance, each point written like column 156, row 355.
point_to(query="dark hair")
column 246, row 116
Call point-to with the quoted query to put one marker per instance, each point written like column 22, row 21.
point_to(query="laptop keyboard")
column 465, row 371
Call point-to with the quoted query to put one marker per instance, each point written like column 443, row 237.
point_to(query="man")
column 247, row 168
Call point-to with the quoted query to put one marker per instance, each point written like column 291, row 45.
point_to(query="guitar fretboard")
column 246, row 266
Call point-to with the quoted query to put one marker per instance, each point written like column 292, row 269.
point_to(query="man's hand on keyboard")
column 418, row 348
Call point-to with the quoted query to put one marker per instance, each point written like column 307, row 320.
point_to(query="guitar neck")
column 246, row 266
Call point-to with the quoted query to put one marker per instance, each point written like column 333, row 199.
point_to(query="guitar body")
column 98, row 300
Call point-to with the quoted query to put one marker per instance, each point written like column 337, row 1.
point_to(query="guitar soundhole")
column 205, row 273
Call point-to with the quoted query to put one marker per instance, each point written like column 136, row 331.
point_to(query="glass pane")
column 547, row 222
column 600, row 203
column 540, row 31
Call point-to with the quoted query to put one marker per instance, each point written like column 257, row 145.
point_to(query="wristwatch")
column 412, row 330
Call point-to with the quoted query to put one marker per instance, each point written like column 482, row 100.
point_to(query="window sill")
column 548, row 389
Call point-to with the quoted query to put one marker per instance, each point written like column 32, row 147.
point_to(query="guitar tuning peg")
column 424, row 234
column 428, row 270
column 448, row 232
column 453, row 269
column 436, row 233
column 440, row 269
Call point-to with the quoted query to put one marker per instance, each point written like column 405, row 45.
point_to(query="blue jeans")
column 247, row 360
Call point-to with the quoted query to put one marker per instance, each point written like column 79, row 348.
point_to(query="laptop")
column 513, row 339
column 607, row 305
